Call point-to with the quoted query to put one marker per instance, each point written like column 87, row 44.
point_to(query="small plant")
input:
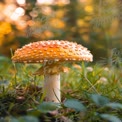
column 105, row 12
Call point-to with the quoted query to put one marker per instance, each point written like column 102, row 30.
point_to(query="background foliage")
column 95, row 24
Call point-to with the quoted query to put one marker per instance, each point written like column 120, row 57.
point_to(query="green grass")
column 90, row 93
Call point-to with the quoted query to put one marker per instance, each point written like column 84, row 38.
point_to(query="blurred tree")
column 95, row 23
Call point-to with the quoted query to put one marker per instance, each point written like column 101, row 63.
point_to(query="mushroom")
column 51, row 54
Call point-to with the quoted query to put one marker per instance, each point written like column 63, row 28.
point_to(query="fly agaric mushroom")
column 51, row 54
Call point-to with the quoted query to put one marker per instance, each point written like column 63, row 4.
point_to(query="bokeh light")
column 21, row 2
column 17, row 13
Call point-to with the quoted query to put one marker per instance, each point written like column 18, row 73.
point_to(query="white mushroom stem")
column 52, row 87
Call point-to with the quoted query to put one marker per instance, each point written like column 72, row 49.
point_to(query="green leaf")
column 114, row 105
column 28, row 119
column 12, row 119
column 74, row 104
column 110, row 118
column 23, row 119
column 34, row 112
column 3, row 58
column 99, row 100
column 46, row 107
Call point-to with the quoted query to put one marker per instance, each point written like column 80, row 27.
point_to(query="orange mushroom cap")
column 52, row 50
